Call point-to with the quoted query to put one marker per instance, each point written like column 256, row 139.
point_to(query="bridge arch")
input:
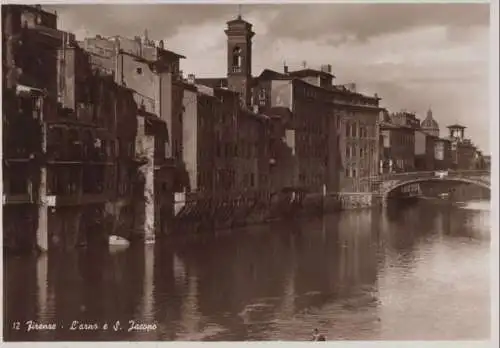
column 400, row 183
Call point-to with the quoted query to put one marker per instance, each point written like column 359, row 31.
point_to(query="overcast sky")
column 412, row 55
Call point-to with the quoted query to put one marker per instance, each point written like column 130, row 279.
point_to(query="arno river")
column 418, row 273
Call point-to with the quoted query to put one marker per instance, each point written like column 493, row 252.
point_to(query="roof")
column 171, row 53
column 442, row 139
column 310, row 72
column 213, row 82
column 456, row 126
column 238, row 19
column 279, row 111
column 185, row 85
column 268, row 74
column 388, row 125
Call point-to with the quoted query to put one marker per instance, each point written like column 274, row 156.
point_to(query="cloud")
column 161, row 20
column 365, row 21
column 360, row 21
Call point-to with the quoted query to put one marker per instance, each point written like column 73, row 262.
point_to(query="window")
column 347, row 129
column 302, row 178
column 348, row 151
column 353, row 172
column 361, row 152
column 262, row 94
column 237, row 59
column 347, row 172
column 354, row 130
column 252, row 180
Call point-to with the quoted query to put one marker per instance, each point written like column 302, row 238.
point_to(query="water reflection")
column 357, row 275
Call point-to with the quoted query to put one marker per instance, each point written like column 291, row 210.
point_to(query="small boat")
column 118, row 241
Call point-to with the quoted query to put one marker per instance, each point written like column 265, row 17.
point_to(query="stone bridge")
column 386, row 183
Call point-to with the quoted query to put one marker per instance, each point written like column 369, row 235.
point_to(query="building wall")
column 262, row 93
column 174, row 117
column 137, row 76
column 425, row 151
column 465, row 156
column 359, row 147
column 207, row 109
column 250, row 139
column 226, row 139
column 310, row 121
column 400, row 149
column 281, row 93
column 442, row 154
column 420, row 143
column 190, row 138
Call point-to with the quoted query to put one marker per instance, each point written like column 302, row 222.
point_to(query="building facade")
column 398, row 148
column 442, row 154
column 425, row 144
column 463, row 150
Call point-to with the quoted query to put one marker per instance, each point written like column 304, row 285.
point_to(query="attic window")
column 138, row 71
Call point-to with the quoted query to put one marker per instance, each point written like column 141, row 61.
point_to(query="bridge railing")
column 427, row 174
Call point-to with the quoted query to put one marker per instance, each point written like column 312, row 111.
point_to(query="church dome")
column 429, row 122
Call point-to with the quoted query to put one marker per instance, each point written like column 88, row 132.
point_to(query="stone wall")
column 221, row 212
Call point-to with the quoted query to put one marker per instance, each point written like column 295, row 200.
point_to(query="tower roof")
column 456, row 126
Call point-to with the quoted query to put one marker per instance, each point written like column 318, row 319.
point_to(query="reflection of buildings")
column 287, row 307
column 148, row 300
column 190, row 316
column 358, row 260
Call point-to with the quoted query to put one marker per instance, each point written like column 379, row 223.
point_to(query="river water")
column 414, row 273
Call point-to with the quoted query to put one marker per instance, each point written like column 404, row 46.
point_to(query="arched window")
column 237, row 59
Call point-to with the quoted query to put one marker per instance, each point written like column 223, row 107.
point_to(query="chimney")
column 285, row 68
column 351, row 87
column 326, row 68
column 191, row 79
column 161, row 44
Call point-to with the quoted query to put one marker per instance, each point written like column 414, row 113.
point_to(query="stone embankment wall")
column 226, row 211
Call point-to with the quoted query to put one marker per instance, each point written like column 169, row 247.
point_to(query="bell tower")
column 239, row 58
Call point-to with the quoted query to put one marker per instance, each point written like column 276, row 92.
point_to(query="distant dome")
column 429, row 122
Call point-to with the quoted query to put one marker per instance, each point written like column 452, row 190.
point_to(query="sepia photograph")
column 227, row 171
